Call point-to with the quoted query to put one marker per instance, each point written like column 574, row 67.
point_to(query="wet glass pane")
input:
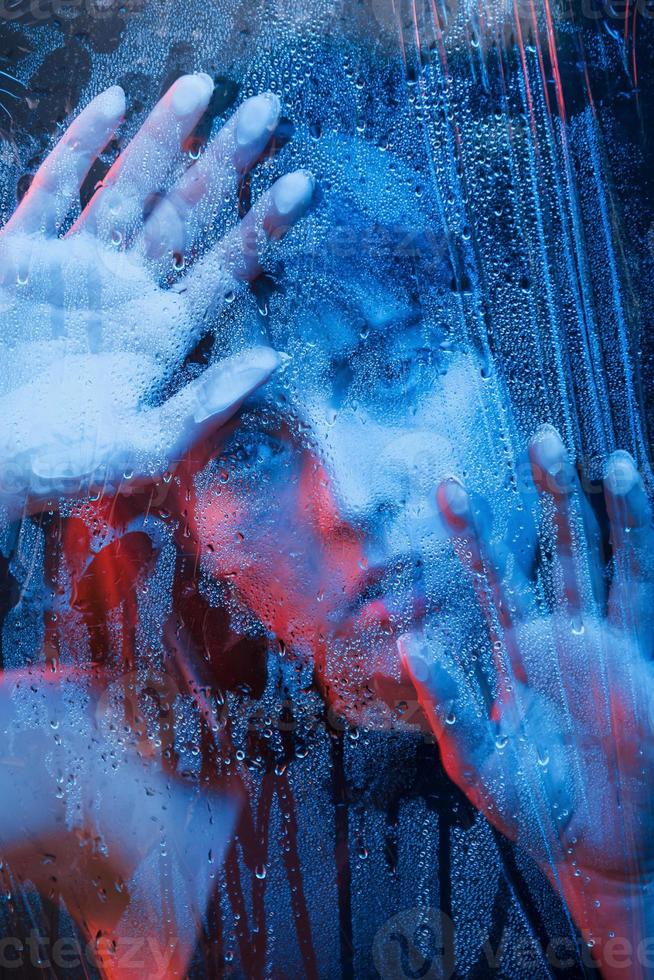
column 326, row 549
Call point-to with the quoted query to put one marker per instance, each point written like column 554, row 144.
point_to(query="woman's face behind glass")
column 320, row 510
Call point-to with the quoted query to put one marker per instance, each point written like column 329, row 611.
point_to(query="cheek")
column 268, row 557
column 237, row 532
column 219, row 520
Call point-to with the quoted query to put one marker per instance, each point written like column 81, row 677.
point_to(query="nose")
column 385, row 478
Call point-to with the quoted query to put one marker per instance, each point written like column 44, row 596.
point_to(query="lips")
column 386, row 600
column 378, row 582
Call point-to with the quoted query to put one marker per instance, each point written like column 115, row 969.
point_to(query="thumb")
column 466, row 736
column 455, row 712
column 205, row 404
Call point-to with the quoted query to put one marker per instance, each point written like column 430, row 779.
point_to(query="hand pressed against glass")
column 90, row 334
column 558, row 751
